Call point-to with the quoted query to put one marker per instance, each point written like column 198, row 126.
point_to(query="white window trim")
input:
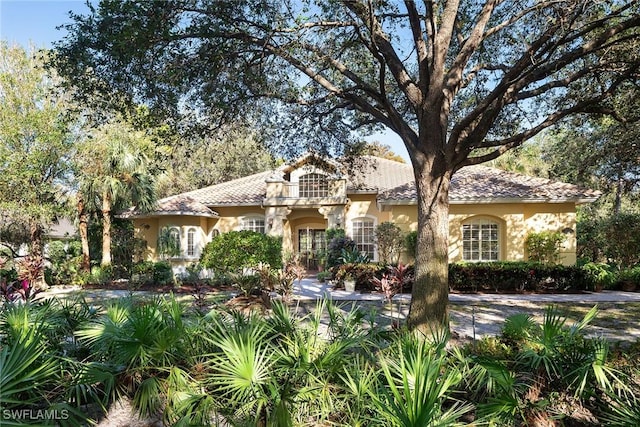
column 483, row 220
column 195, row 243
column 375, row 224
column 253, row 217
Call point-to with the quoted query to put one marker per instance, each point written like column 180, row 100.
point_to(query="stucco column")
column 334, row 216
column 274, row 220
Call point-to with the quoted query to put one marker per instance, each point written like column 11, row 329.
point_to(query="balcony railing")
column 293, row 191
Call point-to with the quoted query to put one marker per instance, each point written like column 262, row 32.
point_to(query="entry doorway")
column 312, row 242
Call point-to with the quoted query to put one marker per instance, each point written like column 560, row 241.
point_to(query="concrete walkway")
column 311, row 289
column 473, row 316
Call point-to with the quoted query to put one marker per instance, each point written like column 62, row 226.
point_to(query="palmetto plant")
column 551, row 358
column 140, row 342
column 276, row 371
column 39, row 370
column 418, row 384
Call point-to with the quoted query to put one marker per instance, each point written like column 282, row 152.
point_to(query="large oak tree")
column 460, row 82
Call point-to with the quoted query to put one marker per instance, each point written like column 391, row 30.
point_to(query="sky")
column 27, row 22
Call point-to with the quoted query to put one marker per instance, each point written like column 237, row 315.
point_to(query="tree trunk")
column 85, row 265
column 428, row 313
column 35, row 235
column 36, row 251
column 617, row 204
column 106, row 229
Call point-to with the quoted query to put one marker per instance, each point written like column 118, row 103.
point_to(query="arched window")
column 481, row 240
column 313, row 185
column 363, row 233
column 169, row 242
column 253, row 223
column 191, row 242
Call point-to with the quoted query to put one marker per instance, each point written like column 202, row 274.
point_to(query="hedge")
column 509, row 277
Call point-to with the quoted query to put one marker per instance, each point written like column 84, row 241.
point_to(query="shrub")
column 390, row 242
column 363, row 274
column 236, row 250
column 629, row 278
column 544, row 246
column 516, row 277
column 162, row 273
column 411, row 243
column 100, row 275
column 335, row 249
column 622, row 239
column 599, row 275
column 615, row 239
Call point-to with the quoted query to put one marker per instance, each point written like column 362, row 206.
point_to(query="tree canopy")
column 461, row 82
column 36, row 144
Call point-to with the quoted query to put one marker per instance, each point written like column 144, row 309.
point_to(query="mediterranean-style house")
column 491, row 211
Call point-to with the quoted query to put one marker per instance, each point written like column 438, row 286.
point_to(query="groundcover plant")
column 67, row 362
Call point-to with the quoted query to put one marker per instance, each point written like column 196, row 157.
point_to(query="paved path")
column 472, row 315
column 312, row 289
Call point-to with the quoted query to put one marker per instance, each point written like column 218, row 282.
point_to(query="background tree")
column 602, row 154
column 459, row 82
column 377, row 149
column 225, row 154
column 112, row 171
column 35, row 146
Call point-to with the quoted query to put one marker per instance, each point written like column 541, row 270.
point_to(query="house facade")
column 491, row 211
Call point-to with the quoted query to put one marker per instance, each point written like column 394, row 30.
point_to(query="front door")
column 311, row 243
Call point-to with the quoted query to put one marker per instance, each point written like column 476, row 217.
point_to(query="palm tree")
column 113, row 172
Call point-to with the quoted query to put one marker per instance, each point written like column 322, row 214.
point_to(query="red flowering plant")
column 23, row 288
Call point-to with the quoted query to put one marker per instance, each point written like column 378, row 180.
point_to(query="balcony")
column 306, row 194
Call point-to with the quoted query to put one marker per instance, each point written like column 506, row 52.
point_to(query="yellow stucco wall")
column 516, row 221
column 148, row 229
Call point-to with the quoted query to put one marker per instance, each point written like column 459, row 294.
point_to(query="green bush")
column 236, row 250
column 390, row 241
column 615, row 239
column 599, row 275
column 335, row 249
column 162, row 273
column 411, row 243
column 516, row 277
column 544, row 246
column 622, row 239
column 65, row 258
column 629, row 277
column 146, row 273
column 362, row 273
column 100, row 275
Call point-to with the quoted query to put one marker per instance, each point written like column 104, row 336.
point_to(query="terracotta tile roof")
column 180, row 204
column 248, row 190
column 375, row 173
column 485, row 184
column 393, row 182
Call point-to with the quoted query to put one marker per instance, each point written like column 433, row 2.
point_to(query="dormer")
column 310, row 181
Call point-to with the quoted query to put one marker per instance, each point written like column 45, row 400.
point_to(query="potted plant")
column 629, row 279
column 349, row 283
column 323, row 275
